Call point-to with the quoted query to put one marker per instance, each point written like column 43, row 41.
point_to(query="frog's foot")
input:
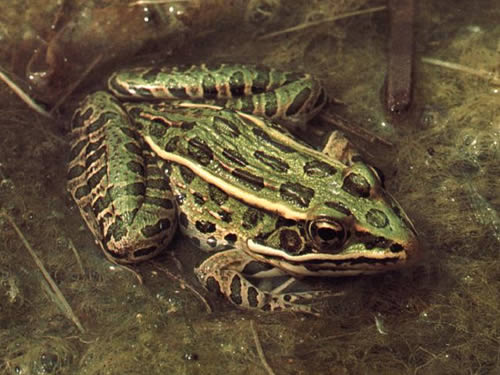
column 227, row 273
column 338, row 147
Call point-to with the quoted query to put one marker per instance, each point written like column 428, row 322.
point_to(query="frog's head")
column 353, row 226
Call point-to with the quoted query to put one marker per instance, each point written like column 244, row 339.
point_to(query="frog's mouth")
column 355, row 261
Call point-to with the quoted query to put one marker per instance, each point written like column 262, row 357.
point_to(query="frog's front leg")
column 228, row 272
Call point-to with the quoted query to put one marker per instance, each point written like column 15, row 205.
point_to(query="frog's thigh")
column 226, row 274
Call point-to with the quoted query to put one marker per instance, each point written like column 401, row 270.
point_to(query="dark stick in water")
column 398, row 87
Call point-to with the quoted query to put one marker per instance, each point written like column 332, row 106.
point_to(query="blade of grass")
column 52, row 286
column 307, row 25
column 24, row 97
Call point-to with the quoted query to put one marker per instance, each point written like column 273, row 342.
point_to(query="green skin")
column 240, row 185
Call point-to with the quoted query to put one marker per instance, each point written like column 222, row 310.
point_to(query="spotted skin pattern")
column 145, row 161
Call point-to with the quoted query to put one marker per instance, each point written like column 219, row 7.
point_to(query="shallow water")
column 439, row 317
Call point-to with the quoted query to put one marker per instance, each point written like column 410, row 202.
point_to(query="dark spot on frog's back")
column 158, row 128
column 225, row 216
column 93, row 147
column 199, row 150
column 135, row 112
column 144, row 93
column 188, row 125
column 273, row 162
column 225, row 126
column 186, row 174
column 256, row 182
column 205, row 226
column 117, row 230
column 297, row 194
column 217, row 195
column 234, row 157
column 250, row 218
column 172, row 144
column 246, row 104
column 340, row 207
column 356, row 185
column 317, row 168
column 198, row 199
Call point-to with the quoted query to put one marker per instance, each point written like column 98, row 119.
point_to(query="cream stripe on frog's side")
column 227, row 187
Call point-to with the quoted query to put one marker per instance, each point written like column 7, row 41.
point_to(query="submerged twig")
column 307, row 25
column 52, row 286
column 24, row 97
column 481, row 73
column 260, row 351
column 351, row 128
column 399, row 80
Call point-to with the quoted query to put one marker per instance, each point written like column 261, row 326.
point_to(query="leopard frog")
column 199, row 148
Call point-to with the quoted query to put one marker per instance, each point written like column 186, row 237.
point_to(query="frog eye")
column 327, row 234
